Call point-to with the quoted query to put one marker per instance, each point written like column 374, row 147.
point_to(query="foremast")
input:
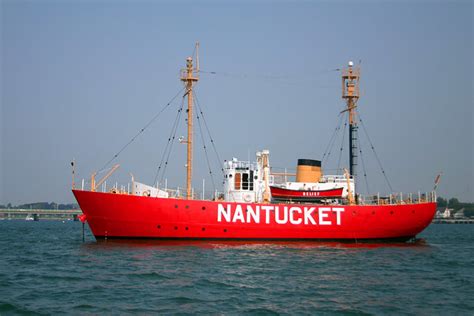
column 350, row 93
column 189, row 78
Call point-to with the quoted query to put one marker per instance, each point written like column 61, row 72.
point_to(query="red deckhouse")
column 254, row 205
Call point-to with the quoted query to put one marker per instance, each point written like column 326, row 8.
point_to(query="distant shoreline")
column 39, row 214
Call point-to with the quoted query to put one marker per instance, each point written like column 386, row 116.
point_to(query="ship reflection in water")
column 246, row 244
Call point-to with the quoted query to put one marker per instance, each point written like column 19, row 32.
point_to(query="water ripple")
column 50, row 271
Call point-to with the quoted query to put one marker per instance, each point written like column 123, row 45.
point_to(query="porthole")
column 159, row 226
column 203, row 229
column 203, row 208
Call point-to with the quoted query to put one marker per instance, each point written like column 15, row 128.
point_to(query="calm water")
column 46, row 269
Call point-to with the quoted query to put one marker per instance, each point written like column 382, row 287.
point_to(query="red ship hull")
column 127, row 216
column 304, row 195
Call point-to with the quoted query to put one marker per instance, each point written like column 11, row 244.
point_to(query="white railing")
column 376, row 199
column 281, row 179
column 397, row 198
column 335, row 178
column 242, row 165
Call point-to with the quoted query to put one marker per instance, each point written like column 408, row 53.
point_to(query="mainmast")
column 350, row 92
column 189, row 78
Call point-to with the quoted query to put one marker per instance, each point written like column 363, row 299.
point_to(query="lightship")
column 254, row 206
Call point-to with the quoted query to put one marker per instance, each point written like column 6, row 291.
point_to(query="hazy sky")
column 80, row 78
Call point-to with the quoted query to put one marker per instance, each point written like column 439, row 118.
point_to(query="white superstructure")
column 248, row 182
column 244, row 181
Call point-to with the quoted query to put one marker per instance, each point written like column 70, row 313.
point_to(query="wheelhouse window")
column 237, row 181
column 245, row 181
column 251, row 180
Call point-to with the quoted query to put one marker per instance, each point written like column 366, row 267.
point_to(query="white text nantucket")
column 279, row 214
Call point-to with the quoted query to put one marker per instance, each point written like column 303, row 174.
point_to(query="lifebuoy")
column 146, row 193
column 247, row 197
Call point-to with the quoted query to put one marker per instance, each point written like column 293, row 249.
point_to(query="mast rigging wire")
column 169, row 144
column 284, row 80
column 363, row 167
column 237, row 75
column 375, row 153
column 342, row 145
column 208, row 131
column 263, row 76
column 332, row 140
column 205, row 150
column 141, row 130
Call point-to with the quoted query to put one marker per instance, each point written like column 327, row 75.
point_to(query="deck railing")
column 397, row 198
column 377, row 199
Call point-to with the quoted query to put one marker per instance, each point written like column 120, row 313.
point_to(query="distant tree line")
column 456, row 205
column 451, row 203
column 42, row 206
